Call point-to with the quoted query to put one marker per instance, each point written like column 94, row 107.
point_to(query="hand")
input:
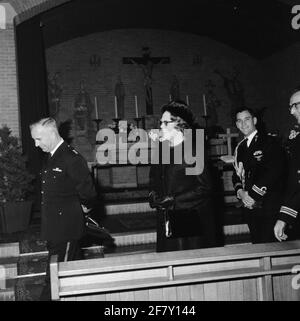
column 85, row 209
column 247, row 200
column 166, row 203
column 160, row 203
column 279, row 230
column 153, row 199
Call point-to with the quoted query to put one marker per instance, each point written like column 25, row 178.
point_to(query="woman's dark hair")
column 181, row 113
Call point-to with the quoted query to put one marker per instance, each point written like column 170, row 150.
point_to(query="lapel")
column 60, row 150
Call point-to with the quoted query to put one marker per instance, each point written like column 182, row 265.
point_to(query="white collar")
column 56, row 147
column 250, row 137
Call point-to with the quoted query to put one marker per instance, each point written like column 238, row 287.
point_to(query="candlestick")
column 137, row 120
column 187, row 100
column 96, row 108
column 136, row 107
column 116, row 121
column 116, row 108
column 97, row 121
column 204, row 105
column 206, row 117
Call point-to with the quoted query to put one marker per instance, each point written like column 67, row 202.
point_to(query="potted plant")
column 15, row 184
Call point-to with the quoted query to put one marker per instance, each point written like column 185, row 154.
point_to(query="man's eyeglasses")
column 296, row 105
column 166, row 122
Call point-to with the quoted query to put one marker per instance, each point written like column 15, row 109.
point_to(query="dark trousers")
column 261, row 226
column 66, row 251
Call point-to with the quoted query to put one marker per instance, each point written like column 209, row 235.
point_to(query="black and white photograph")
column 150, row 153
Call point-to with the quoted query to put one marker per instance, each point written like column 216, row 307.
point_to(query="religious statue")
column 147, row 68
column 234, row 89
column 174, row 90
column 120, row 94
column 54, row 94
column 82, row 113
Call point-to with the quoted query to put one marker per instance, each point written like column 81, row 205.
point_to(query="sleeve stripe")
column 238, row 185
column 289, row 211
column 258, row 190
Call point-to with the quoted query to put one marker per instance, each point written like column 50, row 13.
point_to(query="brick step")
column 9, row 249
column 7, row 294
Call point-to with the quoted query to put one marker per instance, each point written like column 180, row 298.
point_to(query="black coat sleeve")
column 79, row 173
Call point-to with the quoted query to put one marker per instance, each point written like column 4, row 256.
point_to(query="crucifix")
column 146, row 63
column 228, row 136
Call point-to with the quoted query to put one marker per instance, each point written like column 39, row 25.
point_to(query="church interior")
column 97, row 64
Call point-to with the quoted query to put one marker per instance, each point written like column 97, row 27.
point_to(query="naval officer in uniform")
column 288, row 223
column 259, row 165
column 67, row 192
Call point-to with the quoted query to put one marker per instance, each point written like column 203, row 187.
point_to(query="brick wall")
column 71, row 60
column 17, row 11
column 8, row 74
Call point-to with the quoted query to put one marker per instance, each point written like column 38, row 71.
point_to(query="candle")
column 116, row 108
column 96, row 108
column 136, row 107
column 187, row 100
column 204, row 105
column 170, row 98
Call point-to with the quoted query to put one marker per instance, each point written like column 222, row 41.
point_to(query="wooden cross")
column 228, row 136
column 146, row 63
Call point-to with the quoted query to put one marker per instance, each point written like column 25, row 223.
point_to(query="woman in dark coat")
column 185, row 217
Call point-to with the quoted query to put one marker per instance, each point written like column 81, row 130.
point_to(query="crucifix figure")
column 146, row 63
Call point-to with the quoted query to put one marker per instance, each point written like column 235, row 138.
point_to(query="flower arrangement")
column 15, row 179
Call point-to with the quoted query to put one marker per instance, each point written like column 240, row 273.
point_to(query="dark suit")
column 66, row 184
column 192, row 218
column 289, row 211
column 263, row 163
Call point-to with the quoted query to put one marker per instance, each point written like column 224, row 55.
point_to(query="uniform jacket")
column 66, row 184
column 262, row 170
column 290, row 208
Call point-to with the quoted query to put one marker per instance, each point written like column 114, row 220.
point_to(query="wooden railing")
column 241, row 272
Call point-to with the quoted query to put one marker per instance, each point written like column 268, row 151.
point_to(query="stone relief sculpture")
column 120, row 94
column 234, row 89
column 54, row 94
column 82, row 113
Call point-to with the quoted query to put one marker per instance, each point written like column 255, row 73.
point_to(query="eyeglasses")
column 166, row 122
column 296, row 105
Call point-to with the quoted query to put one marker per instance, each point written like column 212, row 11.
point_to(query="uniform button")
column 43, row 182
column 54, row 176
column 298, row 171
column 45, row 171
column 59, row 213
column 42, row 192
